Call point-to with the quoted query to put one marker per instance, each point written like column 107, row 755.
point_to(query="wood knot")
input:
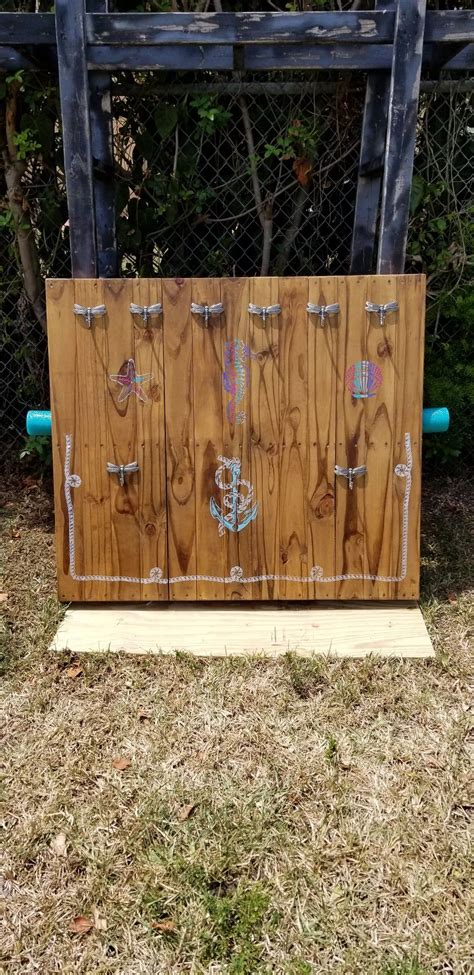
column 150, row 528
column 384, row 350
column 155, row 392
column 325, row 507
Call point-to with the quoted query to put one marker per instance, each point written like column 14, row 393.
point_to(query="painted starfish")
column 130, row 382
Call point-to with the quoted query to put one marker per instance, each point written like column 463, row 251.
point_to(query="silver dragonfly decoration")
column 89, row 313
column 264, row 312
column 350, row 472
column 323, row 311
column 146, row 311
column 207, row 310
column 381, row 310
column 122, row 470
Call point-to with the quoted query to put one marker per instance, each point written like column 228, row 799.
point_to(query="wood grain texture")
column 379, row 414
column 180, row 463
column 65, row 420
column 237, row 436
column 293, row 361
column 322, row 378
column 371, row 161
column 343, row 630
column 408, row 418
column 103, row 162
column 346, row 27
column 91, row 447
column 265, row 436
column 151, row 441
column 297, row 419
column 74, row 92
column 240, row 28
column 208, row 436
column 350, row 439
column 401, row 134
column 122, row 442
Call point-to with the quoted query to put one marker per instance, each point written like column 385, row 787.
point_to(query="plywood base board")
column 270, row 630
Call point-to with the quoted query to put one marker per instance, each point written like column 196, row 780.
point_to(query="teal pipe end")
column 38, row 423
column 436, row 419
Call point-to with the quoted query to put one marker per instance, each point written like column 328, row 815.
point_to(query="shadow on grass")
column 446, row 538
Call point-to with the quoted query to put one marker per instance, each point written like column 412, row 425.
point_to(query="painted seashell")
column 363, row 379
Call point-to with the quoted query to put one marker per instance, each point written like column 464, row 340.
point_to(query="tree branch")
column 264, row 209
column 14, row 170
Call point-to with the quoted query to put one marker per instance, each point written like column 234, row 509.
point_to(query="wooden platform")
column 270, row 630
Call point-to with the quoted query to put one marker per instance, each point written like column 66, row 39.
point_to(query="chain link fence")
column 233, row 178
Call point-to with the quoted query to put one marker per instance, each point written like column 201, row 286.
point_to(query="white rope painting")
column 236, row 575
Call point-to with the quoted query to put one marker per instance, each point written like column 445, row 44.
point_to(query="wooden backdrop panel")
column 272, row 394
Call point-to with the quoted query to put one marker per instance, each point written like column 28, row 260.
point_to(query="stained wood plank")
column 379, row 426
column 324, row 57
column 74, row 93
column 240, row 28
column 35, row 29
column 24, row 28
column 236, row 414
column 161, row 58
column 371, row 161
column 122, row 431
column 321, row 453
column 103, row 163
column 350, row 439
column 343, row 630
column 401, row 133
column 300, row 418
column 91, row 446
column 63, row 380
column 211, row 547
column 180, row 464
column 267, row 57
column 408, row 419
column 293, row 512
column 265, row 437
column 449, row 26
column 151, row 445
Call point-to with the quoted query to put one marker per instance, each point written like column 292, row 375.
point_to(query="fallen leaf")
column 303, row 170
column 99, row 922
column 6, row 884
column 163, row 925
column 74, row 671
column 58, row 845
column 81, row 925
column 121, row 763
column 452, row 598
column 186, row 811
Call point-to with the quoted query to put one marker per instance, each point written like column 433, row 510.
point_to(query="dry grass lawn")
column 289, row 817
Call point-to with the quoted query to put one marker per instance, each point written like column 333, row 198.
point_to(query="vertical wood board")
column 237, row 424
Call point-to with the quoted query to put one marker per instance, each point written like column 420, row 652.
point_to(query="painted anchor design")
column 238, row 509
column 235, row 377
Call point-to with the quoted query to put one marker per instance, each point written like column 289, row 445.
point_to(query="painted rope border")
column 157, row 578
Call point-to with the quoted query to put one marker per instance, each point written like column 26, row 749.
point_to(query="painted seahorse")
column 235, row 377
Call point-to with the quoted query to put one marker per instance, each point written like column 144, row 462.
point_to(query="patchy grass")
column 330, row 799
